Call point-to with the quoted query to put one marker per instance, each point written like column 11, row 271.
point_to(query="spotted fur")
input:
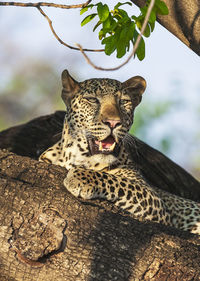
column 100, row 112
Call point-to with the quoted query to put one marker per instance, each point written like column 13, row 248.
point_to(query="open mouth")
column 106, row 146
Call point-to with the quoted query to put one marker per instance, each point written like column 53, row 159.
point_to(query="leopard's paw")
column 72, row 183
column 76, row 183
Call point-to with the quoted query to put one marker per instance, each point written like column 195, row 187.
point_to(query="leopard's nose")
column 112, row 123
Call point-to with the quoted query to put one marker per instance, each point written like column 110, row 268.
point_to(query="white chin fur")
column 103, row 158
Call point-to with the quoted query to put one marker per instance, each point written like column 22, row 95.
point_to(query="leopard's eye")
column 125, row 101
column 91, row 99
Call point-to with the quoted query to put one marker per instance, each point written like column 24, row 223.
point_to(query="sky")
column 170, row 68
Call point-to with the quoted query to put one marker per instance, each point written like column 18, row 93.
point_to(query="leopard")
column 99, row 115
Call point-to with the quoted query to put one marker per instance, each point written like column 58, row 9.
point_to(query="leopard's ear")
column 70, row 87
column 135, row 87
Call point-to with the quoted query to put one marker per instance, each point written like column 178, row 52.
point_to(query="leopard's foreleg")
column 141, row 201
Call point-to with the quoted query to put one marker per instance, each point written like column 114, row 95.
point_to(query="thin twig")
column 44, row 4
column 60, row 40
column 38, row 6
column 134, row 48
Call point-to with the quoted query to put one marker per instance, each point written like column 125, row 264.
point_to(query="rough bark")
column 183, row 21
column 47, row 234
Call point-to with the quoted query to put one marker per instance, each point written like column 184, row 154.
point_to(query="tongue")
column 108, row 142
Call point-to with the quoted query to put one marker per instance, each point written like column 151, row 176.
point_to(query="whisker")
column 58, row 134
column 131, row 140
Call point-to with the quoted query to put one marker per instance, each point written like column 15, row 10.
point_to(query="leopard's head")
column 101, row 109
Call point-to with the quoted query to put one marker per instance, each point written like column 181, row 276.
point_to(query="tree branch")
column 183, row 21
column 44, row 4
column 134, row 48
column 79, row 47
column 59, row 39
column 48, row 234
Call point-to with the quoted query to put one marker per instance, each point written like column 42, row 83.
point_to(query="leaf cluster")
column 118, row 29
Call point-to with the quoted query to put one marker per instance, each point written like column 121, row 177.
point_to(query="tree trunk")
column 183, row 21
column 47, row 234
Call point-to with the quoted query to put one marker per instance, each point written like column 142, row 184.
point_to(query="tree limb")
column 83, row 50
column 47, row 234
column 183, row 21
column 38, row 5
column 60, row 40
column 45, row 4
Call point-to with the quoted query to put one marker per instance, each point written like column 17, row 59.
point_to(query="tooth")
column 100, row 146
column 113, row 146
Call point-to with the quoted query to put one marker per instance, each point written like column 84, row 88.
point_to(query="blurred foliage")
column 148, row 113
column 196, row 157
column 33, row 90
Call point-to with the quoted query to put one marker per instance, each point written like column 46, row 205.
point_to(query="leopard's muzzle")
column 106, row 146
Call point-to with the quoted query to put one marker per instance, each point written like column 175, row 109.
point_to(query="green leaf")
column 134, row 18
column 107, row 23
column 139, row 24
column 101, row 34
column 126, row 34
column 103, row 11
column 152, row 25
column 147, row 31
column 121, row 50
column 141, row 50
column 96, row 25
column 123, row 15
column 119, row 4
column 85, row 9
column 128, row 46
column 131, row 30
column 110, row 44
column 162, row 8
column 152, row 17
column 122, row 43
column 114, row 24
column 143, row 10
column 87, row 19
